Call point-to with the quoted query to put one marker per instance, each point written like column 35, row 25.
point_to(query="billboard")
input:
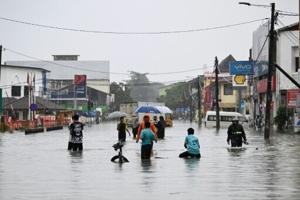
column 80, row 86
column 241, row 67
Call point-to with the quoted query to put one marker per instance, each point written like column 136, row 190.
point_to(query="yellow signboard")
column 239, row 80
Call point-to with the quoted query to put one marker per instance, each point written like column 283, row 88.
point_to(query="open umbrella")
column 164, row 109
column 147, row 109
column 116, row 115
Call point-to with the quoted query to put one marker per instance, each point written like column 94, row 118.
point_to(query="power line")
column 97, row 71
column 61, row 65
column 129, row 33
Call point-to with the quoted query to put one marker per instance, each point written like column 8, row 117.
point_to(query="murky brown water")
column 39, row 167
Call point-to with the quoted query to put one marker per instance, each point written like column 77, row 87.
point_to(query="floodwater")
column 38, row 166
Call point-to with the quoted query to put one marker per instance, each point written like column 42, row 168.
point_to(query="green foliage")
column 121, row 93
column 281, row 118
column 177, row 96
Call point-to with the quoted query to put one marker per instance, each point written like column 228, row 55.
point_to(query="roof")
column 22, row 104
column 25, row 67
column 224, row 64
column 291, row 27
column 65, row 70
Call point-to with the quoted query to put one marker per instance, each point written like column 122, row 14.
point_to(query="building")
column 287, row 57
column 16, row 79
column 230, row 98
column 61, row 79
column 284, row 92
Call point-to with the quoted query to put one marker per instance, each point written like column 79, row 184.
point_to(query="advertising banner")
column 292, row 98
column 241, row 67
column 80, row 86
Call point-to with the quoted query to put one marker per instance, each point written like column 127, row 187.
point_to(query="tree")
column 281, row 118
column 141, row 89
column 177, row 96
column 121, row 95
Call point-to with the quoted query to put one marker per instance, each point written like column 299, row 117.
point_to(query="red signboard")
column 261, row 86
column 80, row 80
column 291, row 97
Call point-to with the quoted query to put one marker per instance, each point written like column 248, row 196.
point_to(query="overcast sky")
column 160, row 53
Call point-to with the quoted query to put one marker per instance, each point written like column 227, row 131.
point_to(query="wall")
column 18, row 77
column 287, row 49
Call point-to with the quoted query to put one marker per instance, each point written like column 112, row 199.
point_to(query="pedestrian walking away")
column 122, row 129
column 135, row 127
column 146, row 118
column 76, row 128
column 236, row 134
column 191, row 143
column 147, row 137
column 160, row 126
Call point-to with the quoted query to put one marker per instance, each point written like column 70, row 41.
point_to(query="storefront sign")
column 292, row 98
column 239, row 80
column 241, row 67
column 261, row 85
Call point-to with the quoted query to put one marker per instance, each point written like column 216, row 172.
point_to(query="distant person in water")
column 122, row 129
column 147, row 137
column 76, row 136
column 236, row 134
column 160, row 126
column 191, row 143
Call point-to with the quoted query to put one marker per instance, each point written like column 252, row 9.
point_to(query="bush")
column 281, row 118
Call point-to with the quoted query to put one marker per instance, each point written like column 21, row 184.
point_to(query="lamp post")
column 270, row 67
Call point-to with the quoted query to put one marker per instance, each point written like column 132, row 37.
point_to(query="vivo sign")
column 241, row 67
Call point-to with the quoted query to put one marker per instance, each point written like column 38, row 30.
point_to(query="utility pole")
column 199, row 102
column 270, row 73
column 217, row 93
column 0, row 55
column 191, row 102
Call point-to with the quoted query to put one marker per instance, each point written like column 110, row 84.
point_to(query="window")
column 26, row 90
column 228, row 89
column 16, row 91
column 211, row 118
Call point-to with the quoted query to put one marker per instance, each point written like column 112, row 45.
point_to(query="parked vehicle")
column 225, row 118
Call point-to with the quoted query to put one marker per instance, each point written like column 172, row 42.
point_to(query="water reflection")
column 146, row 165
column 191, row 164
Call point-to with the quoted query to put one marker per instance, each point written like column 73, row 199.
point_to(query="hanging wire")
column 129, row 33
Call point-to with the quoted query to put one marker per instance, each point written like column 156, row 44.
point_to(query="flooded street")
column 38, row 166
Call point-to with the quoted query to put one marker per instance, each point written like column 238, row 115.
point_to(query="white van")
column 225, row 118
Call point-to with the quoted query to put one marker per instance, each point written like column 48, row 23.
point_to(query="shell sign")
column 239, row 80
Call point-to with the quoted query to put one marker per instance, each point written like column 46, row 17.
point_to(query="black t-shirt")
column 76, row 132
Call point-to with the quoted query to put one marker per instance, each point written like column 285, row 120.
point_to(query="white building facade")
column 15, row 80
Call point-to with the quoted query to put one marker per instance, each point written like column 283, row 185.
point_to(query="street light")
column 270, row 67
column 257, row 5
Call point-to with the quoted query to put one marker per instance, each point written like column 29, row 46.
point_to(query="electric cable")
column 130, row 33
